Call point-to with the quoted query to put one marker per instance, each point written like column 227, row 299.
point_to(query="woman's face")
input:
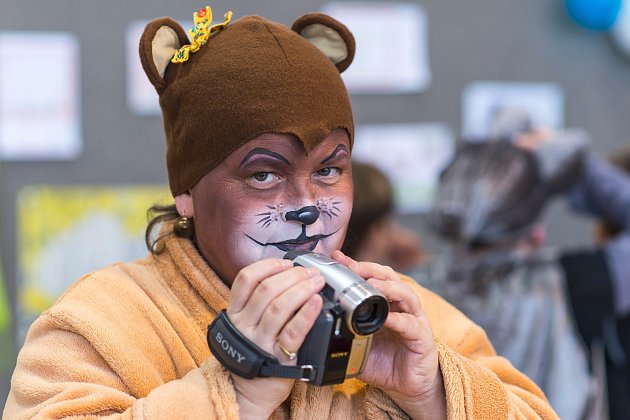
column 269, row 197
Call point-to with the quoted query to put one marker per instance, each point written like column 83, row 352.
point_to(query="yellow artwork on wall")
column 65, row 232
column 7, row 351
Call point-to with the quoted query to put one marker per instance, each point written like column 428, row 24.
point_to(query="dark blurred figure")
column 374, row 234
column 489, row 204
column 599, row 277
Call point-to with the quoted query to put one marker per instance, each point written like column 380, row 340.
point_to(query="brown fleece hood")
column 252, row 76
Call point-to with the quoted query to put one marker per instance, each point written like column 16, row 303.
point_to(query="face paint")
column 269, row 197
column 329, row 207
column 306, row 216
column 271, row 216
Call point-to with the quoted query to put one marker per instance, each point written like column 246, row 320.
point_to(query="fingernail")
column 317, row 280
column 312, row 272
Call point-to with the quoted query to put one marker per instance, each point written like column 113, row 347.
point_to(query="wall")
column 530, row 40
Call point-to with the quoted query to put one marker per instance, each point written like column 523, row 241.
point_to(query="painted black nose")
column 306, row 215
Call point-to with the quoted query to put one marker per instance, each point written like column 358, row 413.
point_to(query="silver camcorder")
column 338, row 345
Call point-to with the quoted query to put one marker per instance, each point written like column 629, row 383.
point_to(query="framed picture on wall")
column 142, row 99
column 394, row 53
column 67, row 231
column 488, row 108
column 40, row 96
column 411, row 155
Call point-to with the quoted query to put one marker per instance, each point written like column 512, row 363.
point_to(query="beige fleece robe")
column 129, row 341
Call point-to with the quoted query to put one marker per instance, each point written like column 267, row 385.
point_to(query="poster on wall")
column 411, row 155
column 142, row 99
column 393, row 52
column 40, row 116
column 489, row 108
column 67, row 232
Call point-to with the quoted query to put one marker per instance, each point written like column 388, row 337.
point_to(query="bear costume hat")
column 246, row 78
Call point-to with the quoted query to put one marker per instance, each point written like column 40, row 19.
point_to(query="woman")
column 259, row 135
column 598, row 275
column 374, row 234
column 488, row 204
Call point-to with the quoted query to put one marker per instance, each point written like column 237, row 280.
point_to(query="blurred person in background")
column 598, row 276
column 489, row 205
column 374, row 233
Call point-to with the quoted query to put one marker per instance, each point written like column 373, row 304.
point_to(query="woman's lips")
column 290, row 245
column 302, row 242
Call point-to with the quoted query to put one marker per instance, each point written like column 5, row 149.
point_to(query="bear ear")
column 329, row 35
column 158, row 43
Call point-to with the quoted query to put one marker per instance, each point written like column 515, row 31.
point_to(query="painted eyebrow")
column 339, row 148
column 263, row 151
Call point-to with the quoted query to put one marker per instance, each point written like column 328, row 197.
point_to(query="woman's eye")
column 263, row 179
column 329, row 171
column 325, row 171
column 261, row 176
column 330, row 174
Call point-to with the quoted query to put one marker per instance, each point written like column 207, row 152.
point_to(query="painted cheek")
column 263, row 226
column 337, row 224
column 334, row 211
column 270, row 215
column 268, row 224
column 247, row 252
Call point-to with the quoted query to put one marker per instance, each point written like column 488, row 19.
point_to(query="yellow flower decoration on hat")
column 200, row 33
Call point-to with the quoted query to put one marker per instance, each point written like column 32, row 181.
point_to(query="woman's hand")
column 403, row 361
column 272, row 302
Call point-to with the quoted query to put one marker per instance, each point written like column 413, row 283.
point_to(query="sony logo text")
column 234, row 354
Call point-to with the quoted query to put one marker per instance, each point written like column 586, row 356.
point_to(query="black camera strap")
column 244, row 358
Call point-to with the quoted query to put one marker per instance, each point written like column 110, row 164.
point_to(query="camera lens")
column 364, row 312
column 370, row 315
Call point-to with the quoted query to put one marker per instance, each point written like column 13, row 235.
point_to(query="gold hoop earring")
column 184, row 227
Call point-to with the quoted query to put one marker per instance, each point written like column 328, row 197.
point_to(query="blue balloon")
column 594, row 14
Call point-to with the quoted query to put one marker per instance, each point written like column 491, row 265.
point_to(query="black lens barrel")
column 370, row 315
